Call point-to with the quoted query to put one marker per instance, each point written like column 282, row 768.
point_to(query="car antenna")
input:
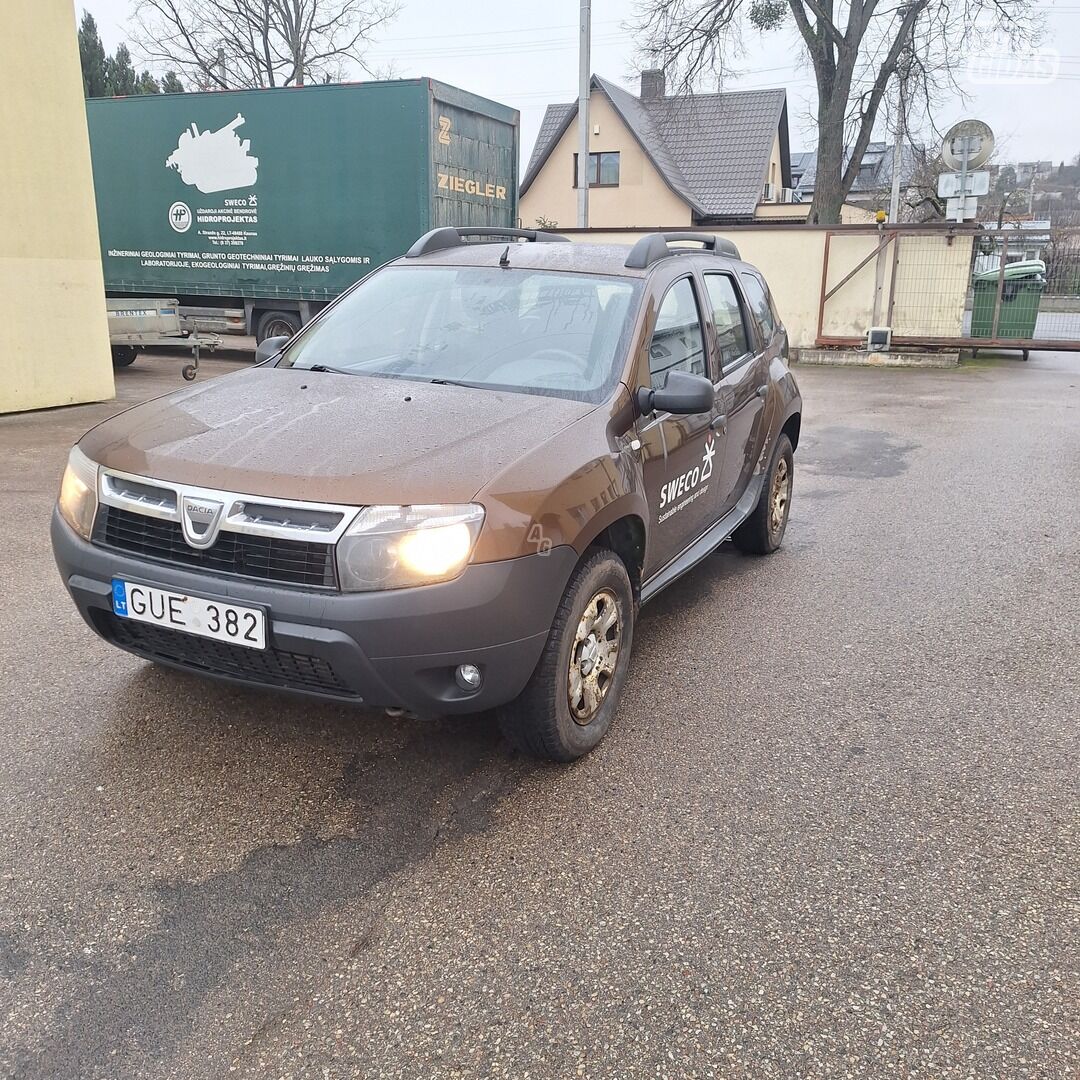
column 504, row 258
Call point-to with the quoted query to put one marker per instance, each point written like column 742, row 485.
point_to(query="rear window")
column 760, row 305
column 531, row 331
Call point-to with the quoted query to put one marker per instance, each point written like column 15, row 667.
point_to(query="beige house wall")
column 774, row 174
column 642, row 197
column 56, row 341
column 932, row 278
column 849, row 215
column 782, row 211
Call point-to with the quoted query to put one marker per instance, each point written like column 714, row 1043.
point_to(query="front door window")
column 677, row 342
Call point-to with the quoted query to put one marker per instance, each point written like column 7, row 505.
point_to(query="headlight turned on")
column 393, row 547
column 78, row 493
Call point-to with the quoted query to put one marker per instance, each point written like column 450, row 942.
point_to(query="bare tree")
column 1008, row 193
column 919, row 200
column 855, row 47
column 236, row 44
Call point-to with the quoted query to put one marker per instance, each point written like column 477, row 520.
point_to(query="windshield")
column 525, row 330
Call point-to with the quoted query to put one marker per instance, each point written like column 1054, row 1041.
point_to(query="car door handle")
column 762, row 390
column 719, row 422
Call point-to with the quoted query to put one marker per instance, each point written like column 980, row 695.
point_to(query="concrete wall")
column 932, row 278
column 642, row 197
column 790, row 259
column 56, row 342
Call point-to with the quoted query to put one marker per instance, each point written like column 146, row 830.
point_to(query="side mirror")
column 682, row 393
column 270, row 347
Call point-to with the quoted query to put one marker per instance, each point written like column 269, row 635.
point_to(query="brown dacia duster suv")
column 453, row 489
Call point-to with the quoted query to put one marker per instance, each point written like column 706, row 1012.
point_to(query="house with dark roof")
column 872, row 183
column 662, row 160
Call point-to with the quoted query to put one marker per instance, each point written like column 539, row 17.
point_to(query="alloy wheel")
column 779, row 496
column 594, row 656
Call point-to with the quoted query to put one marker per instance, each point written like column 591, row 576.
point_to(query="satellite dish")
column 969, row 139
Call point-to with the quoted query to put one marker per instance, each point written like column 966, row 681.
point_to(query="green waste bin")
column 1021, row 292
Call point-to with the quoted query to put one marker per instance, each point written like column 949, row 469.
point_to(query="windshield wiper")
column 457, row 382
column 331, row 370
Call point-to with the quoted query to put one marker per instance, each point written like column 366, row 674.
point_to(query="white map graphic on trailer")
column 214, row 160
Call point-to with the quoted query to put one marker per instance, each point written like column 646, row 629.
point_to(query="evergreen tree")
column 147, row 84
column 91, row 57
column 120, row 78
column 171, row 84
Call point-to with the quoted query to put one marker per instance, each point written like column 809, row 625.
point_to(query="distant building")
column 1029, row 242
column 800, row 162
column 660, row 160
column 873, row 182
column 1026, row 171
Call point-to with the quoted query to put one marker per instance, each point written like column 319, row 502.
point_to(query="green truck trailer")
column 255, row 208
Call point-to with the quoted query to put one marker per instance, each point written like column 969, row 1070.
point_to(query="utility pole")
column 898, row 152
column 584, row 78
column 968, row 147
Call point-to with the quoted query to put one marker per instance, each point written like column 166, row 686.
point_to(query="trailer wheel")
column 277, row 324
column 124, row 355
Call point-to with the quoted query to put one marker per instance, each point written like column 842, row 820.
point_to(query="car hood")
column 324, row 437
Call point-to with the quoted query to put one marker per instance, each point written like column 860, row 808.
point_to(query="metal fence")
column 1015, row 288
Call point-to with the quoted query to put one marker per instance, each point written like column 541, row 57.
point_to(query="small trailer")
column 138, row 323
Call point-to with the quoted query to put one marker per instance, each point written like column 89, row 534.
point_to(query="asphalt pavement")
column 832, row 833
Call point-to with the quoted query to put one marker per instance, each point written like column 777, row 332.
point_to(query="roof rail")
column 447, row 237
column 654, row 246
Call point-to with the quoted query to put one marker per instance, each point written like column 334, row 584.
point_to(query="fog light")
column 468, row 677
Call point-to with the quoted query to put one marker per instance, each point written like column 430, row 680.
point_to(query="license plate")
column 190, row 614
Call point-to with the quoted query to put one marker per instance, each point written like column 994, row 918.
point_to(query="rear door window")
column 760, row 305
column 678, row 343
column 732, row 341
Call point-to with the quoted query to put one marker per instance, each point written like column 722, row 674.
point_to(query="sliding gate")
column 959, row 286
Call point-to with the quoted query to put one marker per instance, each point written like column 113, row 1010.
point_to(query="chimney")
column 653, row 85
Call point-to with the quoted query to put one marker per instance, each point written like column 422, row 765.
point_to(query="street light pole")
column 584, row 78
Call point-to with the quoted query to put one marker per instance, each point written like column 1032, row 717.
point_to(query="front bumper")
column 397, row 648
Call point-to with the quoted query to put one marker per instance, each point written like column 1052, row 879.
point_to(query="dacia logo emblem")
column 200, row 520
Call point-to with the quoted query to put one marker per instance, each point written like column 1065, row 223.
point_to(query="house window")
column 603, row 169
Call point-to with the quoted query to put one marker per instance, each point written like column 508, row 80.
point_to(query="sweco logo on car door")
column 687, row 487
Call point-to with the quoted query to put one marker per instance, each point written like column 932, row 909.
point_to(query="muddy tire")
column 571, row 699
column 763, row 531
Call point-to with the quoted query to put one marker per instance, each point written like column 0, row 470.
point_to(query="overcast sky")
column 525, row 55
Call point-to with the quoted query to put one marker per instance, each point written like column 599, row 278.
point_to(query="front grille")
column 268, row 667
column 268, row 558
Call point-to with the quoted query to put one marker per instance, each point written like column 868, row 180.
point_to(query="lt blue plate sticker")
column 119, row 597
